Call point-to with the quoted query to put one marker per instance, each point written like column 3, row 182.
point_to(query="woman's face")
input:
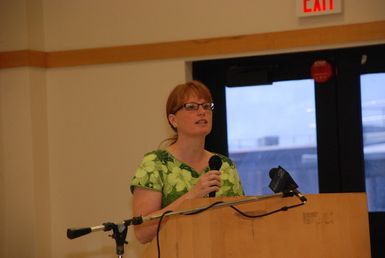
column 192, row 122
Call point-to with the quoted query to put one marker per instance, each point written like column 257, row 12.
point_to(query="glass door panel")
column 373, row 124
column 272, row 125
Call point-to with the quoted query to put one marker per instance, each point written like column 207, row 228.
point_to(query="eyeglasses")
column 195, row 106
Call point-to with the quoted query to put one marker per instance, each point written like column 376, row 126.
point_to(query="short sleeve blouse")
column 161, row 171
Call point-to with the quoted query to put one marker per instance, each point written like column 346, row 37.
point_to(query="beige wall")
column 94, row 23
column 71, row 138
column 101, row 121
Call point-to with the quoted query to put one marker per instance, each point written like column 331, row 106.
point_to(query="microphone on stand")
column 215, row 163
column 78, row 232
column 281, row 181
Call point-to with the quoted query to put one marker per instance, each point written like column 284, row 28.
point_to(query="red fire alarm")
column 321, row 71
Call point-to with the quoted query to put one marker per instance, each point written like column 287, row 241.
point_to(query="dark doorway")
column 349, row 152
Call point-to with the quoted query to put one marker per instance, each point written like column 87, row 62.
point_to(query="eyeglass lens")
column 195, row 106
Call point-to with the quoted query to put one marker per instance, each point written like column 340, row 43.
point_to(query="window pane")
column 273, row 125
column 373, row 124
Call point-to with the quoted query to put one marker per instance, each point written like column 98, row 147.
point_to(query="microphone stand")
column 120, row 230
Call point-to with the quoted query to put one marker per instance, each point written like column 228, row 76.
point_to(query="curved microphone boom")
column 215, row 163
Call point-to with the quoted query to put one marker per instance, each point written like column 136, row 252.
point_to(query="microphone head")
column 273, row 172
column 290, row 183
column 278, row 180
column 281, row 180
column 215, row 162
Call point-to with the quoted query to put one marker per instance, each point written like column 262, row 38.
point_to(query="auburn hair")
column 179, row 96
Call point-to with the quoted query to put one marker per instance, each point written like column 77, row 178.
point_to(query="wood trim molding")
column 314, row 37
column 22, row 58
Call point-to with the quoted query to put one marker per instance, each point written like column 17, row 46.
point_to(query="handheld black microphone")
column 281, row 181
column 215, row 163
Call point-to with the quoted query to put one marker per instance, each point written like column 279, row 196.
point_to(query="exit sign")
column 318, row 7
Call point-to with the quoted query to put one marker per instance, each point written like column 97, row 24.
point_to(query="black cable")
column 284, row 208
column 203, row 209
column 191, row 213
column 157, row 231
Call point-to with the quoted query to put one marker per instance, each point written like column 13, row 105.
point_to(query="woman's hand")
column 148, row 202
column 209, row 182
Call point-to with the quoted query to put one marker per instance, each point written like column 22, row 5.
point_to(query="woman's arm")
column 147, row 202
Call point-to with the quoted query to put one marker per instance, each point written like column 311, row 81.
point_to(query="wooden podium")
column 327, row 226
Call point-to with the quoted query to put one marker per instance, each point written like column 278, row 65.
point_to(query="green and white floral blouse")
column 161, row 171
